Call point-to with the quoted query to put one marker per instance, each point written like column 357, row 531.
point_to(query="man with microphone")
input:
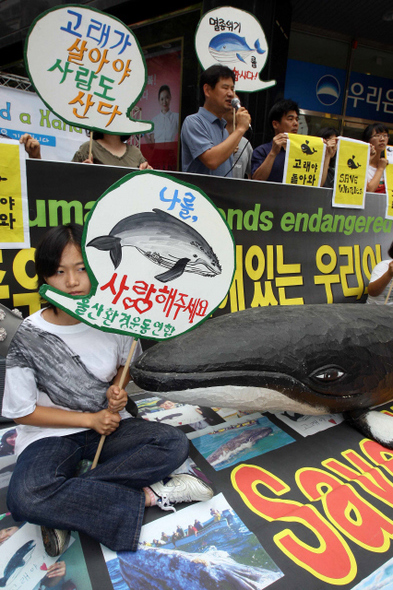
column 207, row 147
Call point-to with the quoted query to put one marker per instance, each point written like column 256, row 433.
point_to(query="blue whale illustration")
column 164, row 240
column 18, row 560
column 309, row 359
column 228, row 47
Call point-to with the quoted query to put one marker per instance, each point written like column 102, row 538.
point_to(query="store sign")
column 323, row 88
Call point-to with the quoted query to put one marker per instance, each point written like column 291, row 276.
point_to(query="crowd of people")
column 214, row 142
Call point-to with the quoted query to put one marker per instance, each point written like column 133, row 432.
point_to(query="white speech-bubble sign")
column 234, row 38
column 160, row 258
column 88, row 68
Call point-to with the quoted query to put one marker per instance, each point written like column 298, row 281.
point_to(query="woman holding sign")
column 62, row 391
column 111, row 150
column 377, row 135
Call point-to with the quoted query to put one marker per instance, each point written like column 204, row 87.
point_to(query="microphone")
column 236, row 104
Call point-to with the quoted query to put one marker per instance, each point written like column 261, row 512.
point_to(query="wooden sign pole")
column 121, row 385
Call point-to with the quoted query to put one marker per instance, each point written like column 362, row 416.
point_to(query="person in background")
column 377, row 135
column 166, row 123
column 268, row 159
column 330, row 137
column 379, row 285
column 111, row 150
column 207, row 147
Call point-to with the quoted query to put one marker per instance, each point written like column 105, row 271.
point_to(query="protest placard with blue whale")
column 234, row 38
column 160, row 259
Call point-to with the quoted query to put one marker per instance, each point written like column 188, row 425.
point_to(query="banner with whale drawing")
column 304, row 157
column 350, row 176
column 159, row 255
column 234, row 38
column 88, row 68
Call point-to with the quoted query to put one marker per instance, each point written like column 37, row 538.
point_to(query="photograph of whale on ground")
column 222, row 553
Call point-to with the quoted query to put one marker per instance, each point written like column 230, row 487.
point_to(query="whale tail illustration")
column 110, row 243
column 258, row 47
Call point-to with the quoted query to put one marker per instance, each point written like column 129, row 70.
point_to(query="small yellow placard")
column 389, row 182
column 14, row 220
column 303, row 160
column 350, row 180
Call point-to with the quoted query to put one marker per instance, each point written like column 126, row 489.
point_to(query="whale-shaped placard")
column 160, row 258
column 88, row 68
column 234, row 38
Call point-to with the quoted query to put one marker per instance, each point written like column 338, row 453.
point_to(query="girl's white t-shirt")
column 101, row 352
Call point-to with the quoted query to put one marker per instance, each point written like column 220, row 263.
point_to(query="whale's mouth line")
column 280, row 382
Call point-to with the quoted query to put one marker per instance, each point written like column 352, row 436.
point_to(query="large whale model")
column 164, row 240
column 309, row 359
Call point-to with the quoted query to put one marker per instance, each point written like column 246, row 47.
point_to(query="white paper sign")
column 88, row 68
column 159, row 255
column 234, row 38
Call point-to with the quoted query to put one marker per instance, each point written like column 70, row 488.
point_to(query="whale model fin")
column 173, row 273
column 110, row 243
column 239, row 57
column 373, row 424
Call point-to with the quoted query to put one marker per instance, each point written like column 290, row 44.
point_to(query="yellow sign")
column 303, row 160
column 350, row 180
column 14, row 221
column 389, row 182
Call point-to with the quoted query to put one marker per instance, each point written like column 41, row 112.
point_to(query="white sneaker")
column 181, row 488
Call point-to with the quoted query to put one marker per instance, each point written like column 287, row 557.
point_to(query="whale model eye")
column 327, row 374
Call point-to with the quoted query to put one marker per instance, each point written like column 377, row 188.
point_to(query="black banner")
column 292, row 246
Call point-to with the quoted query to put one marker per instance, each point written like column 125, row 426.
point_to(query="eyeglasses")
column 381, row 135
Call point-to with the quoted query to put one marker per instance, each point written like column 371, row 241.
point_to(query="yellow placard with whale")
column 14, row 218
column 350, row 179
column 303, row 160
column 389, row 182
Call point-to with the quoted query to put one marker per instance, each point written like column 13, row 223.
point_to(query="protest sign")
column 350, row 179
column 14, row 215
column 389, row 182
column 304, row 158
column 92, row 70
column 159, row 255
column 234, row 38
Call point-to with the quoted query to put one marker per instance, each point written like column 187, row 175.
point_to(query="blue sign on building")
column 320, row 88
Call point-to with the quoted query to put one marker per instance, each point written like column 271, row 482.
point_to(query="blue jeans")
column 107, row 502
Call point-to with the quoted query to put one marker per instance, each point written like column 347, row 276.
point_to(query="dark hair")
column 211, row 76
column 281, row 108
column 164, row 87
column 50, row 249
column 327, row 132
column 377, row 127
column 100, row 135
column 390, row 251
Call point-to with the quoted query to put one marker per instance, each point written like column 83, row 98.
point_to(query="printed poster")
column 350, row 179
column 304, row 159
column 14, row 213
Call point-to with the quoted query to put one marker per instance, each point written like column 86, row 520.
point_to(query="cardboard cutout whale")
column 310, row 359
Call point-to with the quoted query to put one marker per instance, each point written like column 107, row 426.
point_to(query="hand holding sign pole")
column 160, row 259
